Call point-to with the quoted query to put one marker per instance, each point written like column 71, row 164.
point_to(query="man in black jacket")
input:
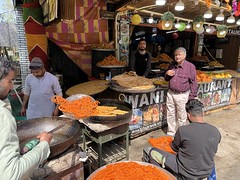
column 141, row 60
column 195, row 144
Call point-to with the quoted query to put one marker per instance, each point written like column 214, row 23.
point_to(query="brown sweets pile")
column 162, row 57
column 111, row 61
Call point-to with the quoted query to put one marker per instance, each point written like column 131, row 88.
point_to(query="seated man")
column 196, row 145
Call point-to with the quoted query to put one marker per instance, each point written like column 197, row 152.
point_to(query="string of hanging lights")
column 199, row 26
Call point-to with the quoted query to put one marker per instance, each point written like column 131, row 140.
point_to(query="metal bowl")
column 110, row 119
column 62, row 138
column 171, row 177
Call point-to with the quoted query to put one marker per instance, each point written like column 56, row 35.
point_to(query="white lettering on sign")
column 133, row 100
column 145, row 99
column 214, row 86
column 234, row 31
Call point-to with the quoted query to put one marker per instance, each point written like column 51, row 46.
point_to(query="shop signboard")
column 215, row 94
column 149, row 111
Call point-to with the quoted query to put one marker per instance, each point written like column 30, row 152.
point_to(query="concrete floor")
column 227, row 158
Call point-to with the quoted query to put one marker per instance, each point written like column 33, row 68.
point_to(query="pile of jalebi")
column 163, row 143
column 79, row 108
column 130, row 171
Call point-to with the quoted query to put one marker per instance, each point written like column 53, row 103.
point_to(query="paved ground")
column 228, row 156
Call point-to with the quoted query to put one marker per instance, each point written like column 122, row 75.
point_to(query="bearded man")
column 141, row 60
column 40, row 86
column 14, row 165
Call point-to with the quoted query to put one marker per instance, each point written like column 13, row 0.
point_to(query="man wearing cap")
column 141, row 60
column 40, row 86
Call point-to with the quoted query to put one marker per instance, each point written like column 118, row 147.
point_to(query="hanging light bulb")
column 167, row 24
column 150, row 20
column 208, row 14
column 238, row 22
column 160, row 2
column 196, row 2
column 222, row 32
column 188, row 26
column 220, row 16
column 198, row 25
column 179, row 6
column 231, row 19
column 208, row 29
column 177, row 25
column 217, row 2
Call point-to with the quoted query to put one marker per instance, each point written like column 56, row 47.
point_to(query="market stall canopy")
column 8, row 35
column 192, row 8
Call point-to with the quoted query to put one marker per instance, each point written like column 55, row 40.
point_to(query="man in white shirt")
column 40, row 86
column 14, row 165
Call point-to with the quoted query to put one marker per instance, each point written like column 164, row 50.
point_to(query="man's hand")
column 170, row 73
column 45, row 137
column 23, row 111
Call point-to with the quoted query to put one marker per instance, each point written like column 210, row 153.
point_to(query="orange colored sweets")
column 130, row 171
column 80, row 108
column 163, row 143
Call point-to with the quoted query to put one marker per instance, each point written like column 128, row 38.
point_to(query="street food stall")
column 144, row 99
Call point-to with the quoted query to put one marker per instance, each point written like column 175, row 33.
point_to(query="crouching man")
column 195, row 144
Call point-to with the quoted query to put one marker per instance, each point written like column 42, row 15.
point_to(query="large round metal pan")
column 170, row 176
column 130, row 91
column 62, row 139
column 110, row 119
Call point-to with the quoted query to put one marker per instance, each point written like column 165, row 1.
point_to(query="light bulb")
column 196, row 2
column 160, row 2
column 188, row 26
column 217, row 2
column 167, row 24
column 238, row 22
column 177, row 25
column 231, row 19
column 208, row 14
column 150, row 20
column 220, row 16
column 222, row 32
column 179, row 6
column 208, row 29
column 198, row 25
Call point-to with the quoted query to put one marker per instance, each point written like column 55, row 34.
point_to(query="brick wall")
column 22, row 45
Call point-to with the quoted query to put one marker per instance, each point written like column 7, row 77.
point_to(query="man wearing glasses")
column 40, row 86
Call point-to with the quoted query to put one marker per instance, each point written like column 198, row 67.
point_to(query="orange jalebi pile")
column 80, row 108
column 130, row 171
column 163, row 143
